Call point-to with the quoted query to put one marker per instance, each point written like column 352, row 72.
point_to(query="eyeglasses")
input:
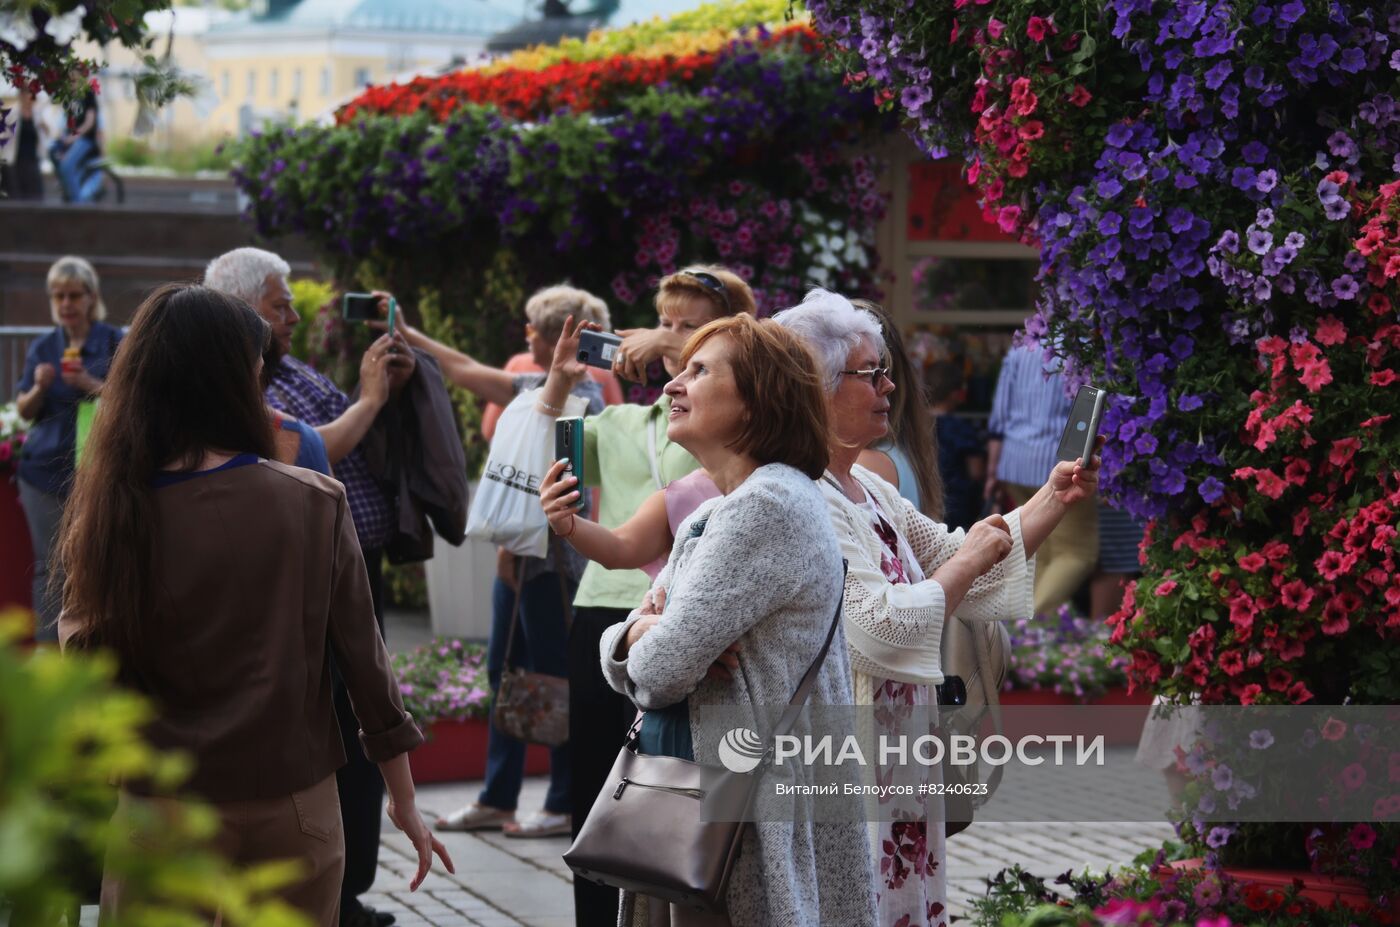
column 876, row 374
column 712, row 283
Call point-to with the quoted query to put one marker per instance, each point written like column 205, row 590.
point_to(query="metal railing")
column 14, row 342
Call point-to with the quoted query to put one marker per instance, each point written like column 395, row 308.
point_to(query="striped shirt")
column 1029, row 412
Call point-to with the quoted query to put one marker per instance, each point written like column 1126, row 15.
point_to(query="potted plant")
column 444, row 686
column 1066, row 659
column 1153, row 894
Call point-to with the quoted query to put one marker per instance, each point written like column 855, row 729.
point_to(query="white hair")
column 832, row 328
column 548, row 308
column 243, row 273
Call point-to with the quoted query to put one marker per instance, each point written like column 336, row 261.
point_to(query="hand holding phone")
column 568, row 445
column 1082, row 429
column 598, row 349
column 364, row 307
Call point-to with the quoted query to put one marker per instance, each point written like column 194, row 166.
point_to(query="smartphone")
column 359, row 307
column 1082, row 429
column 568, row 445
column 393, row 314
column 597, row 349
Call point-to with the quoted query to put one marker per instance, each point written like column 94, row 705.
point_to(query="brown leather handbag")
column 529, row 706
column 672, row 828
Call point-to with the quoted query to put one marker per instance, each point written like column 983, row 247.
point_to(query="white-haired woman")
column 540, row 583
column 61, row 370
column 908, row 575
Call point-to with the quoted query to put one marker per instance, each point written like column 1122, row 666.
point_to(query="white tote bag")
column 506, row 509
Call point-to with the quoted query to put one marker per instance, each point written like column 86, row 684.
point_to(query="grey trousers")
column 43, row 513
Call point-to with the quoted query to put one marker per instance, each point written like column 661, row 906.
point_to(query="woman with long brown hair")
column 221, row 580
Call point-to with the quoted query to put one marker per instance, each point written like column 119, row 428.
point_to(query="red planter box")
column 1121, row 728
column 16, row 555
column 456, row 751
column 1325, row 890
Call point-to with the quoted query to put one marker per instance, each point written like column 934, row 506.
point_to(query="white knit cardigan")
column 895, row 631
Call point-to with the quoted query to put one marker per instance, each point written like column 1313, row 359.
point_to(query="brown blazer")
column 259, row 577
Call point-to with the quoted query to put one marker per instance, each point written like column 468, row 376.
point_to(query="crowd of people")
column 225, row 532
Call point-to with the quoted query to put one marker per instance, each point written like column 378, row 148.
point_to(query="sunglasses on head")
column 712, row 283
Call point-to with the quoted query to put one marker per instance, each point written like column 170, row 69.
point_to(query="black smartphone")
column 359, row 307
column 598, row 349
column 1083, row 426
column 568, row 445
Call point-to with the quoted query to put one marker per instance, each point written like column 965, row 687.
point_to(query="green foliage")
column 309, row 299
column 67, row 733
column 182, row 158
column 406, row 584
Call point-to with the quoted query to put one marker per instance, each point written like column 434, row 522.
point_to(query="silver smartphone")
column 597, row 349
column 1083, row 426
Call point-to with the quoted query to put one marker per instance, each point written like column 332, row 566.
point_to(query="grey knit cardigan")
column 760, row 566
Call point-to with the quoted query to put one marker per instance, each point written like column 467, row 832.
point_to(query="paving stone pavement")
column 502, row 881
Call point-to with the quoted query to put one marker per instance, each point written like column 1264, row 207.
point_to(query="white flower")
column 67, row 27
column 17, row 29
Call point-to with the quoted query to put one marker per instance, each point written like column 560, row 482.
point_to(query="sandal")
column 475, row 817
column 543, row 824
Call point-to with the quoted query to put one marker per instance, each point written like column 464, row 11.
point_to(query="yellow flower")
column 706, row 28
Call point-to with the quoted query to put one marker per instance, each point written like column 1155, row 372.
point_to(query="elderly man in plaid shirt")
column 259, row 278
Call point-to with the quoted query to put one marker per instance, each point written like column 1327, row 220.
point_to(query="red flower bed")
column 578, row 86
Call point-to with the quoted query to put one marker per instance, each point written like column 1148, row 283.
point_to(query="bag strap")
column 514, row 613
column 651, row 455
column 804, row 688
column 992, row 700
column 520, row 583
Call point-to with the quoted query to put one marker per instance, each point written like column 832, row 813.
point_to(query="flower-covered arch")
column 1212, row 186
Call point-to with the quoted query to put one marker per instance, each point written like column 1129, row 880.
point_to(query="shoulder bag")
column 648, row 831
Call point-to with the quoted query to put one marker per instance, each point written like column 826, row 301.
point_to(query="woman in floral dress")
column 907, row 575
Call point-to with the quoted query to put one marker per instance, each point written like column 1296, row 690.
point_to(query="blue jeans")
column 69, row 164
column 540, row 640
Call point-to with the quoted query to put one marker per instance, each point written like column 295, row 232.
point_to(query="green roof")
column 464, row 17
column 468, row 17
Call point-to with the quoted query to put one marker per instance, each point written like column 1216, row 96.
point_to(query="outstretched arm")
column 643, row 538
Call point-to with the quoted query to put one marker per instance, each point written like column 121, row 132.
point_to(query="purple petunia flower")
column 1264, row 218
column 1284, row 254
column 1109, row 188
column 1254, row 153
column 1263, row 289
column 1189, row 402
column 1295, row 240
column 1266, row 181
column 1328, row 191
column 1229, row 242
column 1260, row 241
column 1336, row 210
column 1211, row 489
column 1341, row 145
column 1354, row 262
column 1262, row 739
column 1243, row 178
column 1345, row 287
column 1222, row 778
column 1218, row 837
